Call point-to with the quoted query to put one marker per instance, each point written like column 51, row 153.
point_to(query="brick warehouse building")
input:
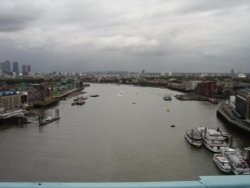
column 207, row 88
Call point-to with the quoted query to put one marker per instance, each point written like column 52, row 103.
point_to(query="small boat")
column 194, row 137
column 80, row 102
column 238, row 164
column 94, row 95
column 222, row 163
column 167, row 98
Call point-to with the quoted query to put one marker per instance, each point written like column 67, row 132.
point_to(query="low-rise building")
column 9, row 100
column 207, row 88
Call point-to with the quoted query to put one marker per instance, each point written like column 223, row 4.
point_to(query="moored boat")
column 214, row 140
column 222, row 163
column 238, row 164
column 194, row 137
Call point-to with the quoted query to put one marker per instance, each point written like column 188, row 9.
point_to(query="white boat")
column 239, row 165
column 214, row 141
column 222, row 163
column 194, row 137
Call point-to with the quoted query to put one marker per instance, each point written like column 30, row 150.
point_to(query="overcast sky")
column 132, row 35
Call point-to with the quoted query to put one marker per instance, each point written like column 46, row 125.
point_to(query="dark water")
column 111, row 139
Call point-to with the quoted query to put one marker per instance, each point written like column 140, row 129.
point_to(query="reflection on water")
column 125, row 134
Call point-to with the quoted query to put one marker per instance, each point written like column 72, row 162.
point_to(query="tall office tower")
column 1, row 69
column 15, row 67
column 28, row 68
column 7, row 66
column 24, row 70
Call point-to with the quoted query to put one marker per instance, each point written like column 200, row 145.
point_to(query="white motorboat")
column 194, row 137
column 214, row 140
column 222, row 162
column 239, row 165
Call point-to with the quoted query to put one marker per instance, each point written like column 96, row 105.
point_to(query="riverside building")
column 242, row 103
column 9, row 100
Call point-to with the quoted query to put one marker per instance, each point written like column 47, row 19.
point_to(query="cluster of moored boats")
column 79, row 101
column 217, row 141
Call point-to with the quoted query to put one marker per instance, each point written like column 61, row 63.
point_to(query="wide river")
column 125, row 134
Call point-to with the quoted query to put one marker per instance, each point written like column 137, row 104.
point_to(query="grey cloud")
column 16, row 15
column 208, row 5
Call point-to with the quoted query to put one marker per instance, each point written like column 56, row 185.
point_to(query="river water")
column 125, row 134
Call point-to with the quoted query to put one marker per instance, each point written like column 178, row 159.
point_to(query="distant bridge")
column 242, row 181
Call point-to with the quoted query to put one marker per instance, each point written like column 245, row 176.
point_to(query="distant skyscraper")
column 26, row 70
column 15, row 67
column 1, row 69
column 232, row 72
column 6, row 66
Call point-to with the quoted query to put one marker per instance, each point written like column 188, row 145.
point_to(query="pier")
column 16, row 116
column 49, row 119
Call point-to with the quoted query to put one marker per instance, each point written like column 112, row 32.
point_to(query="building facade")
column 15, row 67
column 9, row 100
column 242, row 103
column 207, row 88
column 26, row 70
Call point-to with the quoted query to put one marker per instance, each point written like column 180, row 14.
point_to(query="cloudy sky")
column 101, row 35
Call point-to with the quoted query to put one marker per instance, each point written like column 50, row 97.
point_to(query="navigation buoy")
column 172, row 125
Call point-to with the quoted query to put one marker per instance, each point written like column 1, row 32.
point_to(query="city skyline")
column 155, row 35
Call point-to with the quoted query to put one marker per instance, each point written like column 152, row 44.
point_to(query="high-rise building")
column 26, row 70
column 1, row 69
column 15, row 67
column 242, row 103
column 6, row 66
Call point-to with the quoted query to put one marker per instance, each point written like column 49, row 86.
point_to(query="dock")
column 49, row 119
column 14, row 116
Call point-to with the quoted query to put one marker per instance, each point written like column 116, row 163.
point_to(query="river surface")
column 125, row 134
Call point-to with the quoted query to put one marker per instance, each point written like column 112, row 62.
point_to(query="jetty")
column 13, row 116
column 49, row 119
